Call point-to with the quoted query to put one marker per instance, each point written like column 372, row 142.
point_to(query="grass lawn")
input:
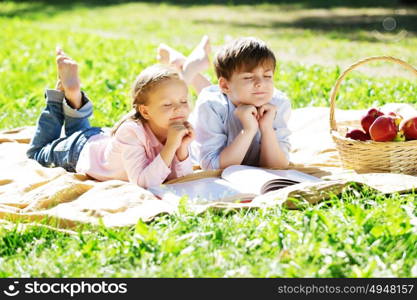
column 358, row 234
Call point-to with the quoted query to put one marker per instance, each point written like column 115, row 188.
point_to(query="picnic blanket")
column 30, row 193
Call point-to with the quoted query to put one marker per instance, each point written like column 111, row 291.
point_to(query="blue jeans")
column 47, row 146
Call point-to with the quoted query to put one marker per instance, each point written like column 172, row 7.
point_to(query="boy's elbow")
column 281, row 165
column 285, row 165
column 206, row 165
column 224, row 165
column 210, row 163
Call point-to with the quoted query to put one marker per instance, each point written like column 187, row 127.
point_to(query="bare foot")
column 198, row 60
column 169, row 56
column 68, row 79
column 59, row 86
column 200, row 82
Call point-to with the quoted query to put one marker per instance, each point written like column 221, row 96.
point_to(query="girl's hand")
column 176, row 133
column 187, row 139
column 266, row 113
column 182, row 152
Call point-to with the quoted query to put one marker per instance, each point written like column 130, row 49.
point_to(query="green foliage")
column 113, row 43
column 360, row 234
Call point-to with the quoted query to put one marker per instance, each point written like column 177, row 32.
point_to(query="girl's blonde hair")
column 148, row 79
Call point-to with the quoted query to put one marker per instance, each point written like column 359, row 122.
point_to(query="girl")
column 148, row 146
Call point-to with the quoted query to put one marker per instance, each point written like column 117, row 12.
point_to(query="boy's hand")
column 266, row 113
column 248, row 116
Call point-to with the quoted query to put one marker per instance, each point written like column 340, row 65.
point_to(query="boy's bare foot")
column 198, row 60
column 189, row 67
column 68, row 79
column 169, row 56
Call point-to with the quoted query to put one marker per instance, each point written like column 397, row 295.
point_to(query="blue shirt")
column 216, row 127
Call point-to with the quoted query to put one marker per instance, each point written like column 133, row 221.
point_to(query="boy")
column 243, row 119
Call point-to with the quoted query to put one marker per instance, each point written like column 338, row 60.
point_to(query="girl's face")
column 167, row 103
column 254, row 87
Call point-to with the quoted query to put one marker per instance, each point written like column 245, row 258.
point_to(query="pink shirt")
column 132, row 154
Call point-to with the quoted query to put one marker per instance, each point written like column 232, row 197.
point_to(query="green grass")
column 358, row 234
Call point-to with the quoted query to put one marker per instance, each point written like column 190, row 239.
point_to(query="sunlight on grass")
column 355, row 236
column 114, row 43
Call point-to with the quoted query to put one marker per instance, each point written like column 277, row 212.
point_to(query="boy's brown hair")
column 243, row 54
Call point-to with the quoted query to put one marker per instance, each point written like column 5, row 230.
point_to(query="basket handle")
column 339, row 80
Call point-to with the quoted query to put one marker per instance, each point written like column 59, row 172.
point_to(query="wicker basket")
column 370, row 156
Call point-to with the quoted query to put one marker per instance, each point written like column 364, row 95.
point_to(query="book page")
column 252, row 179
column 202, row 191
column 294, row 175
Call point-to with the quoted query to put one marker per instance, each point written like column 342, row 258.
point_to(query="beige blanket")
column 31, row 193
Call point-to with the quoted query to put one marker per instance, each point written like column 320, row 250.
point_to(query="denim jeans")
column 47, row 146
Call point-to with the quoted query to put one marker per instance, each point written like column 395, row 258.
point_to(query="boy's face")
column 254, row 87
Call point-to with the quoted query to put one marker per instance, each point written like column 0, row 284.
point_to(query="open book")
column 237, row 183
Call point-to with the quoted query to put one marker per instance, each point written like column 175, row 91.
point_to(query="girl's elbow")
column 139, row 181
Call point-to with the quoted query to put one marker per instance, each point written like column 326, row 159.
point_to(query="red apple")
column 383, row 129
column 409, row 127
column 369, row 118
column 397, row 118
column 393, row 114
column 357, row 134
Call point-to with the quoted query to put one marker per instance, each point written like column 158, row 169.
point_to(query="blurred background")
column 114, row 40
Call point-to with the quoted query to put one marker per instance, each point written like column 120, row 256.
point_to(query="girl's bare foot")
column 68, row 79
column 169, row 56
column 59, row 85
column 198, row 60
